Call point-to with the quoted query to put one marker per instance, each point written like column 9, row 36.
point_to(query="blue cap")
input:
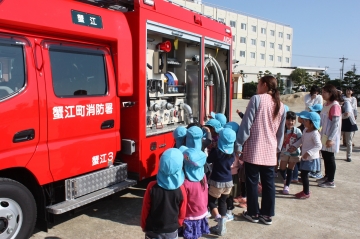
column 220, row 117
column 183, row 148
column 232, row 125
column 215, row 124
column 194, row 161
column 226, row 140
column 302, row 113
column 314, row 117
column 170, row 175
column 179, row 135
column 316, row 107
column 194, row 137
column 286, row 108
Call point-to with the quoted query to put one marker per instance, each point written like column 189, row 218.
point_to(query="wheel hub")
column 10, row 218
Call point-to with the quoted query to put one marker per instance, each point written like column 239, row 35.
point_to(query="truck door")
column 19, row 106
column 81, row 103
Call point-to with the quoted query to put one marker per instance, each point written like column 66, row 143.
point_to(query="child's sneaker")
column 250, row 218
column 302, row 195
column 220, row 228
column 229, row 217
column 265, row 219
column 312, row 174
column 327, row 184
column 286, row 190
column 318, row 175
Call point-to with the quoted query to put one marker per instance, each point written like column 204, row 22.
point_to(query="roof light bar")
column 227, row 30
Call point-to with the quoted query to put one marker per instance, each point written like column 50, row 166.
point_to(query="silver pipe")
column 189, row 114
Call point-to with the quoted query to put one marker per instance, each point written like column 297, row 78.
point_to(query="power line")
column 328, row 57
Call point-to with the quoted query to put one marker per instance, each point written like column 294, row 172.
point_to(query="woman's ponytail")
column 271, row 83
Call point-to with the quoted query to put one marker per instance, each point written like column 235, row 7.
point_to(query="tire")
column 17, row 210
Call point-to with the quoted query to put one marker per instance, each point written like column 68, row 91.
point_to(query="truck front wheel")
column 17, row 210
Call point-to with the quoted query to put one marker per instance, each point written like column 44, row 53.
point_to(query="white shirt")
column 311, row 144
column 310, row 102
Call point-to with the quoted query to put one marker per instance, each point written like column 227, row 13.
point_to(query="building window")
column 234, row 38
column 243, row 26
column 232, row 24
column 242, row 53
column 288, row 48
column 279, row 58
column 263, row 30
column 262, row 56
column 253, row 42
column 243, row 40
column 271, row 45
column 272, row 32
column 288, row 36
column 221, row 19
column 262, row 43
column 280, row 46
column 287, row 59
column 280, row 34
column 253, row 28
column 252, row 55
column 271, row 57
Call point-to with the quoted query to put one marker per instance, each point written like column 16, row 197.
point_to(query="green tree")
column 280, row 84
column 298, row 78
column 321, row 80
column 249, row 89
column 350, row 79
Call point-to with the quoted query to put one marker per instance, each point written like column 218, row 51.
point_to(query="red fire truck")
column 90, row 92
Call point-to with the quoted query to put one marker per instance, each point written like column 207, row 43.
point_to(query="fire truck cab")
column 90, row 92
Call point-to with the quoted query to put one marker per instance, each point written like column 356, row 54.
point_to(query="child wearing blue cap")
column 215, row 127
column 194, row 137
column 179, row 135
column 220, row 180
column 311, row 145
column 220, row 117
column 165, row 199
column 316, row 174
column 195, row 223
column 235, row 168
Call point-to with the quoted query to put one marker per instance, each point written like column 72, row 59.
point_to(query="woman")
column 313, row 98
column 330, row 133
column 261, row 135
column 348, row 126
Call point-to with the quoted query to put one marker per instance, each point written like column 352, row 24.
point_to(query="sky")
column 323, row 30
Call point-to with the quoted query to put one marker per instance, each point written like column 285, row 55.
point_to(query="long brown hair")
column 334, row 93
column 271, row 84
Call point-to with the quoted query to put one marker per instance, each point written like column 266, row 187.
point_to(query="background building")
column 258, row 44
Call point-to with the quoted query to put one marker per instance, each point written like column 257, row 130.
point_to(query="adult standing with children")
column 330, row 133
column 261, row 135
column 313, row 98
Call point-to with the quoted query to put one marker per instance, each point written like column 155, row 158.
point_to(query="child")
column 316, row 108
column 311, row 145
column 235, row 191
column 291, row 135
column 179, row 135
column 220, row 117
column 194, row 137
column 220, row 181
column 195, row 223
column 165, row 200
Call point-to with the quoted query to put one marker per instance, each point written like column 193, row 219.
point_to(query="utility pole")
column 342, row 69
column 354, row 68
